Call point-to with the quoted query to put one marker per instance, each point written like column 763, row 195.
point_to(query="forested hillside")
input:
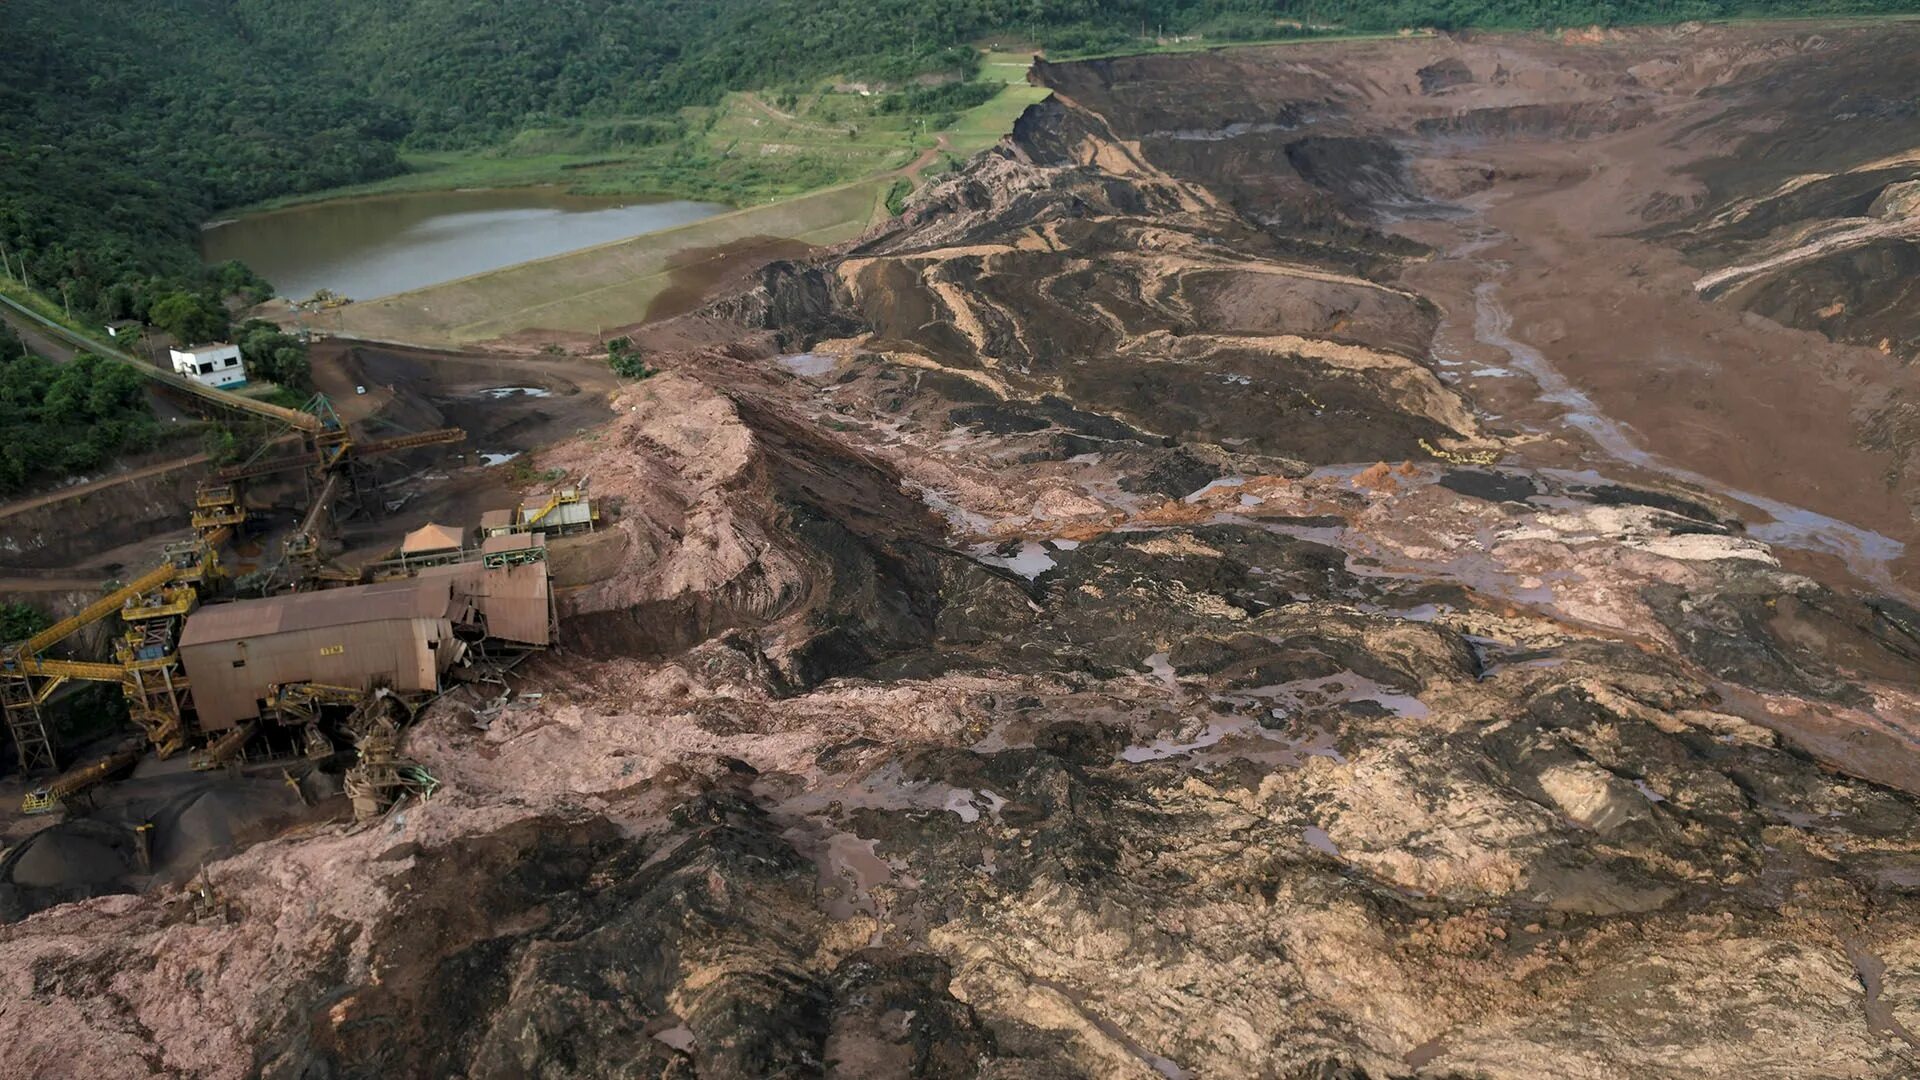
column 60, row 419
column 125, row 125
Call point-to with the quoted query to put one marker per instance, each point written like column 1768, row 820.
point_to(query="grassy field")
column 751, row 148
column 813, row 165
column 983, row 125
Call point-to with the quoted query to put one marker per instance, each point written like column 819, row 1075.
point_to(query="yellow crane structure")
column 153, row 606
column 220, row 502
column 45, row 800
column 536, row 519
column 552, row 504
column 146, row 664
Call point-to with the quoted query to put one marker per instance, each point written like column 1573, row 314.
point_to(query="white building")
column 215, row 365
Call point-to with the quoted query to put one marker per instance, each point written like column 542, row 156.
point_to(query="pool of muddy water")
column 368, row 247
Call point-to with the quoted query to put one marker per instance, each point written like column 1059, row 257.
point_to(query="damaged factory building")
column 361, row 650
column 403, row 634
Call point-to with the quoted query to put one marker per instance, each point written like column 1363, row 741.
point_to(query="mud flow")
column 1373, row 559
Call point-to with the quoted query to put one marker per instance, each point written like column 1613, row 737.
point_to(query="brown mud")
column 1274, row 570
column 699, row 275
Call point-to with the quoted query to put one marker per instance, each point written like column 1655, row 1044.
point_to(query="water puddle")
column 499, row 458
column 1166, row 1067
column 1213, row 486
column 1872, row 972
column 1301, row 695
column 808, row 365
column 1162, row 748
column 679, row 1036
column 1240, row 738
column 960, row 520
column 498, row 393
column 1160, row 666
column 1029, row 562
column 887, row 788
column 851, row 869
column 1317, row 839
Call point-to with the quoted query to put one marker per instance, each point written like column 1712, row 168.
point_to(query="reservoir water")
column 368, row 247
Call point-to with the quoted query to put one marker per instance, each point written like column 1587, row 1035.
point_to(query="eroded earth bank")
column 1384, row 559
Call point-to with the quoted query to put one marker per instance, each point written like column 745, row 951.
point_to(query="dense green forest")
column 123, row 126
column 60, row 419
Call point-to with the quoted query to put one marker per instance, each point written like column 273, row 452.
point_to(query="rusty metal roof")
column 406, row 598
column 496, row 519
column 431, row 537
column 514, row 598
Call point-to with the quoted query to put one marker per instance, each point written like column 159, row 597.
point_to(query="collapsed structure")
column 397, row 634
column 204, row 671
column 211, row 674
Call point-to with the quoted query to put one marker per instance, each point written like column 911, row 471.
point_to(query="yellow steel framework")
column 216, row 505
column 553, row 503
column 74, row 781
column 163, row 602
column 96, row 611
column 146, row 665
column 563, row 497
column 224, row 749
column 149, row 673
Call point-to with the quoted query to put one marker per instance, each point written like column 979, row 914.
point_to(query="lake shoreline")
column 377, row 245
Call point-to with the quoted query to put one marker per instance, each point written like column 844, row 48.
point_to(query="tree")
column 21, row 621
column 274, row 354
column 625, row 360
column 235, row 278
column 191, row 318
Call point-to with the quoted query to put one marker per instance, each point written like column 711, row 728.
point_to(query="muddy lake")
column 368, row 247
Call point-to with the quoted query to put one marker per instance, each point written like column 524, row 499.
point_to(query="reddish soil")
column 1756, row 406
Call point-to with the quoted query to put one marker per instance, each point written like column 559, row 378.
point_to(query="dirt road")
column 41, row 343
column 21, row 506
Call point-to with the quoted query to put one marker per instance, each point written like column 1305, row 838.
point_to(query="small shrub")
column 897, row 196
column 625, row 360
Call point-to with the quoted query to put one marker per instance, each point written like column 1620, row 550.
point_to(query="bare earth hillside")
column 1371, row 560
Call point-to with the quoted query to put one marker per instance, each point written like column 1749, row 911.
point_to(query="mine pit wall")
column 66, row 532
column 1291, row 141
column 813, row 552
column 659, row 628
